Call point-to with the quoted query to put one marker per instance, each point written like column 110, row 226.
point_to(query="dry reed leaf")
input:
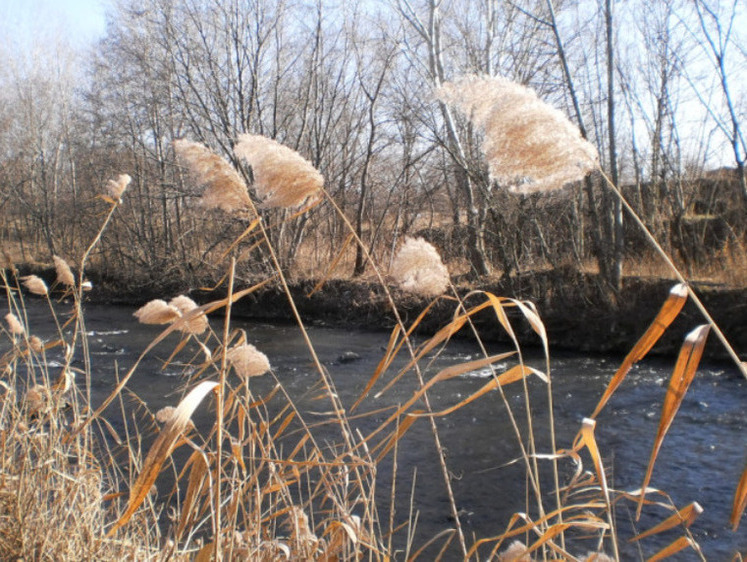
column 682, row 376
column 192, row 325
column 417, row 268
column 14, row 324
column 445, row 374
column 597, row 557
column 199, row 475
column 684, row 516
column 35, row 285
column 247, row 360
column 740, row 501
column 529, row 145
column 64, row 383
column 64, row 273
column 588, row 439
column 443, row 335
column 668, row 312
column 157, row 311
column 116, row 188
column 282, row 177
column 161, row 449
column 515, row 373
column 680, row 544
column 587, row 522
column 224, row 187
column 386, row 360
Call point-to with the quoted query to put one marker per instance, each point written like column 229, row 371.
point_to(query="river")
column 701, row 460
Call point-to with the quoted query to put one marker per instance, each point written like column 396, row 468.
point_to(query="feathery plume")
column 64, row 273
column 516, row 552
column 35, row 285
column 417, row 268
column 157, row 312
column 248, row 361
column 282, row 177
column 167, row 412
column 224, row 187
column 529, row 145
column 116, row 188
column 14, row 325
column 184, row 305
column 36, row 344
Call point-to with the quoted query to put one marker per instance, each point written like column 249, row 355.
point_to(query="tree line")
column 349, row 84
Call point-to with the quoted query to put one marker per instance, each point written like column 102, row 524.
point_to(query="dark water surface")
column 701, row 460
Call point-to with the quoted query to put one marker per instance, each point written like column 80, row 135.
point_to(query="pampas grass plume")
column 282, row 177
column 35, row 285
column 417, row 268
column 64, row 273
column 157, row 312
column 14, row 325
column 184, row 305
column 224, row 187
column 116, row 188
column 35, row 343
column 248, row 361
column 529, row 145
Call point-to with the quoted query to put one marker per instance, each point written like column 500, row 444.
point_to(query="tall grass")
column 257, row 481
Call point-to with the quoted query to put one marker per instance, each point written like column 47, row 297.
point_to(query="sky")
column 25, row 22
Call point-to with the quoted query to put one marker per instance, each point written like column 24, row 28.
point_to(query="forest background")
column 657, row 86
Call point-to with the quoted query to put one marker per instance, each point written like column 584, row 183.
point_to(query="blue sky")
column 22, row 22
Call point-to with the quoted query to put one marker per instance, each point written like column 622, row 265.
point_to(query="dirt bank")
column 578, row 312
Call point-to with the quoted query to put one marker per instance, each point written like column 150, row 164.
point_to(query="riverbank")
column 578, row 312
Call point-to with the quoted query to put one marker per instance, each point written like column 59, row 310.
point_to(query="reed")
column 257, row 481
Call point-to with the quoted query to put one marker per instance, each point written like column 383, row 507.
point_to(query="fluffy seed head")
column 36, row 344
column 529, row 145
column 166, row 413
column 516, row 552
column 35, row 285
column 116, row 188
column 248, row 361
column 417, row 268
column 184, row 305
column 282, row 177
column 224, row 187
column 14, row 325
column 64, row 273
column 157, row 311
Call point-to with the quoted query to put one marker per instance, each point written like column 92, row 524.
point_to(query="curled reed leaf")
column 64, row 273
column 162, row 448
column 224, row 187
column 35, row 285
column 417, row 268
column 157, row 312
column 247, row 360
column 282, row 177
column 529, row 145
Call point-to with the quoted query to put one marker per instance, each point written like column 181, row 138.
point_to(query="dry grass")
column 258, row 482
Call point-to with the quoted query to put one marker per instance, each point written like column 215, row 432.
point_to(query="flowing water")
column 701, row 460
